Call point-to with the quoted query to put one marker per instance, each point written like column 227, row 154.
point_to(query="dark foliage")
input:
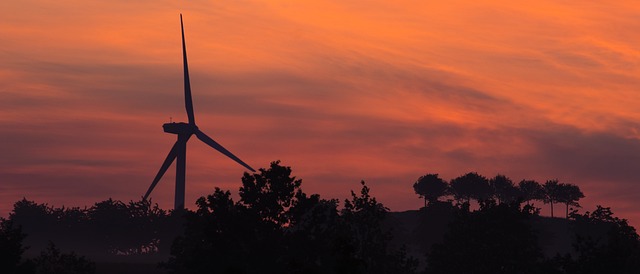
column 109, row 228
column 552, row 193
column 277, row 228
column 53, row 261
column 430, row 187
column 495, row 239
column 224, row 236
column 530, row 190
column 604, row 244
column 11, row 248
column 50, row 261
column 503, row 189
column 433, row 223
column 569, row 195
column 470, row 186
column 363, row 216
column 270, row 193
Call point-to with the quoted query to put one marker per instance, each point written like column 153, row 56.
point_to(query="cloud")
column 384, row 92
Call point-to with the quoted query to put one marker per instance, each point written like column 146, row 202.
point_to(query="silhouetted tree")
column 72, row 230
column 276, row 228
column 243, row 237
column 430, row 187
column 495, row 239
column 148, row 226
column 470, row 186
column 270, row 192
column 127, row 229
column 604, row 244
column 221, row 237
column 53, row 261
column 11, row 248
column 133, row 228
column 168, row 228
column 353, row 241
column 315, row 237
column 503, row 189
column 108, row 221
column 551, row 193
column 432, row 224
column 38, row 221
column 364, row 215
column 530, row 190
column 569, row 195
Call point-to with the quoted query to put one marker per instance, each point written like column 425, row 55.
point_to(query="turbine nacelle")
column 180, row 128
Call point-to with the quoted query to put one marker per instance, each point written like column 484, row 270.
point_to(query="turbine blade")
column 206, row 139
column 187, row 84
column 173, row 153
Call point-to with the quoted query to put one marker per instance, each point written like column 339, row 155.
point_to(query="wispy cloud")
column 341, row 91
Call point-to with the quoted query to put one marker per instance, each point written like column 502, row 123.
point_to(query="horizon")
column 340, row 92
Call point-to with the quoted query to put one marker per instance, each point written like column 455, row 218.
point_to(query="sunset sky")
column 341, row 91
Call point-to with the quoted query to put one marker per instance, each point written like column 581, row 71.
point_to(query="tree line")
column 275, row 227
column 472, row 186
column 504, row 239
column 38, row 238
column 108, row 228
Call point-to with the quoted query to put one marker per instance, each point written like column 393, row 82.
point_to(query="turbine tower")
column 184, row 132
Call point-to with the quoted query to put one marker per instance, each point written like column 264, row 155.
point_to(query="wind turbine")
column 184, row 132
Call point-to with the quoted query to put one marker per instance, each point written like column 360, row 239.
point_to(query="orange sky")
column 341, row 91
